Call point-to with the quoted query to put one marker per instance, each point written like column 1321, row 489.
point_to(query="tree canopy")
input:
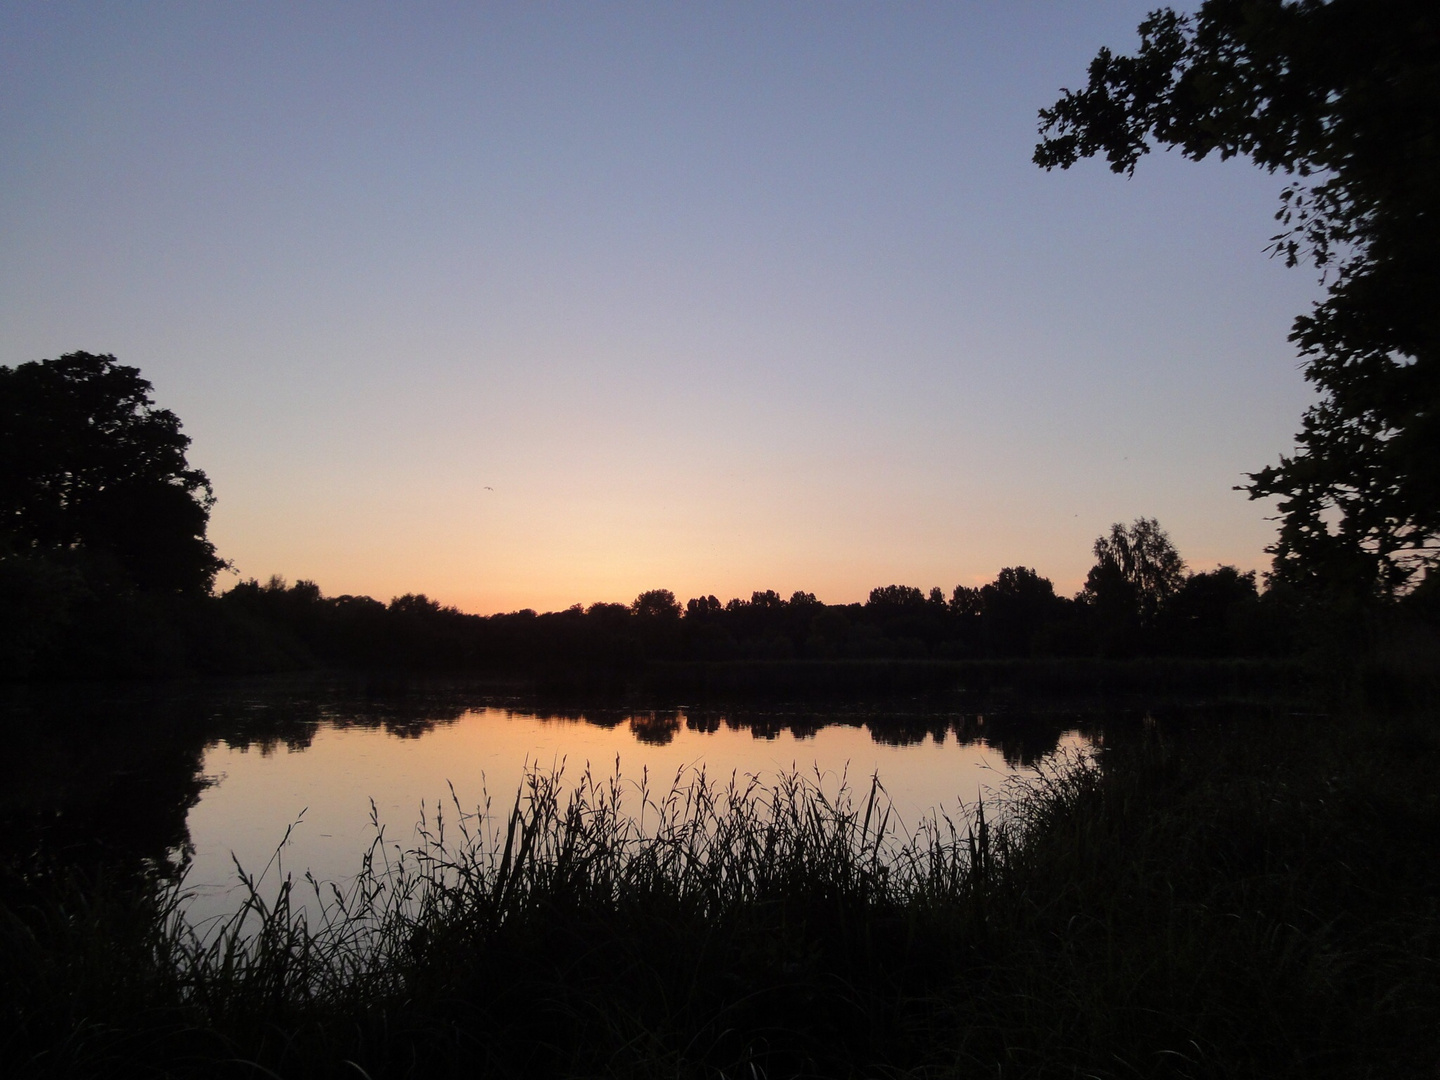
column 91, row 469
column 1136, row 568
column 1343, row 97
column 656, row 604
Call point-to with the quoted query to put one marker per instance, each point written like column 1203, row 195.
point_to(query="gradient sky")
column 530, row 304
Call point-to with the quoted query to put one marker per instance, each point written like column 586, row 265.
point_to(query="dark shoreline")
column 1214, row 900
column 665, row 682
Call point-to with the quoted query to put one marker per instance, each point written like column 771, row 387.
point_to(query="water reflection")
column 148, row 780
column 86, row 782
column 1021, row 738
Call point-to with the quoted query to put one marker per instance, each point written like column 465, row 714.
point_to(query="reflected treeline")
column 87, row 780
column 1021, row 738
column 107, row 777
column 268, row 723
column 94, row 776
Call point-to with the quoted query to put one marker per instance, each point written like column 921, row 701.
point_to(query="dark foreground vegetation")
column 1209, row 900
column 1214, row 900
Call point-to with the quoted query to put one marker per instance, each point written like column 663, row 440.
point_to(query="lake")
column 209, row 775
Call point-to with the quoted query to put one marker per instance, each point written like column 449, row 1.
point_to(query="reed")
column 1192, row 904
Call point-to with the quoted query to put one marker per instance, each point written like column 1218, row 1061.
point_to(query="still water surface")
column 325, row 787
column 215, row 777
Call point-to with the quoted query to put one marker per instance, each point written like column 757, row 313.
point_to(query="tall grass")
column 1198, row 904
column 699, row 888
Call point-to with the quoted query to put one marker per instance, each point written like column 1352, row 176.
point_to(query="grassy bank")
column 1208, row 901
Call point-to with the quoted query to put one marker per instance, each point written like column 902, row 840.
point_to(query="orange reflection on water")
column 329, row 784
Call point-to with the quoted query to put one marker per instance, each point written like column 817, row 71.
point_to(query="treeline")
column 106, row 571
column 68, row 620
column 1215, row 614
column 1138, row 601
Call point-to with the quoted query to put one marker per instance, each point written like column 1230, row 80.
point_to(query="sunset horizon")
column 523, row 307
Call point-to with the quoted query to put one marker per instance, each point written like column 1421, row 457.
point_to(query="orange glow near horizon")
column 525, row 309
column 486, row 574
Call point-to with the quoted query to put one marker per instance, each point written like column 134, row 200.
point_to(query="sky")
column 534, row 304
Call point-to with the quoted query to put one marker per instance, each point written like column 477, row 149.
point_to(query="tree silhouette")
column 966, row 602
column 768, row 600
column 90, row 470
column 1202, row 618
column 1014, row 608
column 656, row 604
column 1138, row 567
column 896, row 596
column 699, row 607
column 1342, row 97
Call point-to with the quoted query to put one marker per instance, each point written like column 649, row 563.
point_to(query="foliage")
column 656, row 604
column 1212, row 613
column 896, row 596
column 1217, row 900
column 698, row 607
column 105, row 571
column 1014, row 608
column 605, row 647
column 1342, row 97
column 1137, row 570
column 91, row 471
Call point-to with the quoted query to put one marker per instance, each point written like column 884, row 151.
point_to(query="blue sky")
column 535, row 304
